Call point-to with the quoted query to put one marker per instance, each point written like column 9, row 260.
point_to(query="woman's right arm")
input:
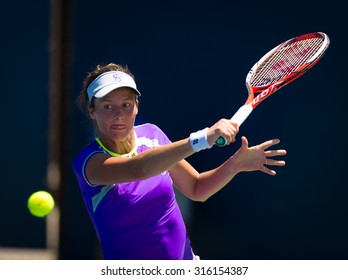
column 105, row 170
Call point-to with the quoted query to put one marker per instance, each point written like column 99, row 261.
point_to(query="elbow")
column 198, row 195
column 199, row 198
column 202, row 199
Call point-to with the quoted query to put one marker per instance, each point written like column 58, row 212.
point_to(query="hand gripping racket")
column 279, row 67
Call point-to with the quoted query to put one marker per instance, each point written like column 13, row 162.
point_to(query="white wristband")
column 199, row 141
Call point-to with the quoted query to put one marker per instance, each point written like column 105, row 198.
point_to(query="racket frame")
column 266, row 90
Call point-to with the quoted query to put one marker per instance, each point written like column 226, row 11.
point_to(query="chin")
column 119, row 137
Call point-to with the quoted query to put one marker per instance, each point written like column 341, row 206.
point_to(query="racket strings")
column 285, row 61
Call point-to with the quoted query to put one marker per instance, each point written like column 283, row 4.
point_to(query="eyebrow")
column 110, row 100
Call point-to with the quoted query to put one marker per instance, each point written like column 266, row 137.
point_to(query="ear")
column 91, row 112
column 137, row 107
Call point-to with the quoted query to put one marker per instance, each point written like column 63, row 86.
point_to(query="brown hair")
column 82, row 100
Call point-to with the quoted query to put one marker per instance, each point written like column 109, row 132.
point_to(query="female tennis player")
column 128, row 173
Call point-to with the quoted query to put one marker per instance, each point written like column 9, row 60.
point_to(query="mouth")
column 118, row 127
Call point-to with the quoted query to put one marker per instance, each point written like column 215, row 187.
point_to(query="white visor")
column 108, row 81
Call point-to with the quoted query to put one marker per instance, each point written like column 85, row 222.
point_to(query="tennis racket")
column 279, row 67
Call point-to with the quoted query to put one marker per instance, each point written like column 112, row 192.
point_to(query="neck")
column 119, row 147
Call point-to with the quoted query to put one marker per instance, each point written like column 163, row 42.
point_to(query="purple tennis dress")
column 136, row 220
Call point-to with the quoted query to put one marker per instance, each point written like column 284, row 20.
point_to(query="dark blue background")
column 190, row 59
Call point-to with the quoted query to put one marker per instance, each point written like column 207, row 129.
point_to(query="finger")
column 275, row 162
column 228, row 131
column 268, row 171
column 273, row 153
column 231, row 136
column 245, row 142
column 265, row 145
column 235, row 125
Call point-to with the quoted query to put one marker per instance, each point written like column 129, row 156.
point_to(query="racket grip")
column 239, row 117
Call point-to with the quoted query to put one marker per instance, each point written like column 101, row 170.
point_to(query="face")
column 115, row 114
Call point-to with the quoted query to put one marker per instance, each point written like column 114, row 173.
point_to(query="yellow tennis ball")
column 40, row 204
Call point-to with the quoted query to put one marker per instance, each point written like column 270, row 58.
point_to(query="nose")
column 118, row 116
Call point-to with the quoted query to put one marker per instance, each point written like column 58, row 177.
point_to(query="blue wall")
column 24, row 90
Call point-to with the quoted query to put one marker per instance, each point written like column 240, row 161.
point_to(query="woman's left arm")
column 200, row 186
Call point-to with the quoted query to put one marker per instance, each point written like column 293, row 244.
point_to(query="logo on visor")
column 117, row 78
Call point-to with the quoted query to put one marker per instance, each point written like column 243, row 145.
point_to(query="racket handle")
column 239, row 117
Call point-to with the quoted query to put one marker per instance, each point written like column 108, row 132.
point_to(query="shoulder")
column 151, row 132
column 81, row 160
column 86, row 153
column 147, row 128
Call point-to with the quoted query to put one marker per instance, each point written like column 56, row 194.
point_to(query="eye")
column 108, row 107
column 127, row 105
